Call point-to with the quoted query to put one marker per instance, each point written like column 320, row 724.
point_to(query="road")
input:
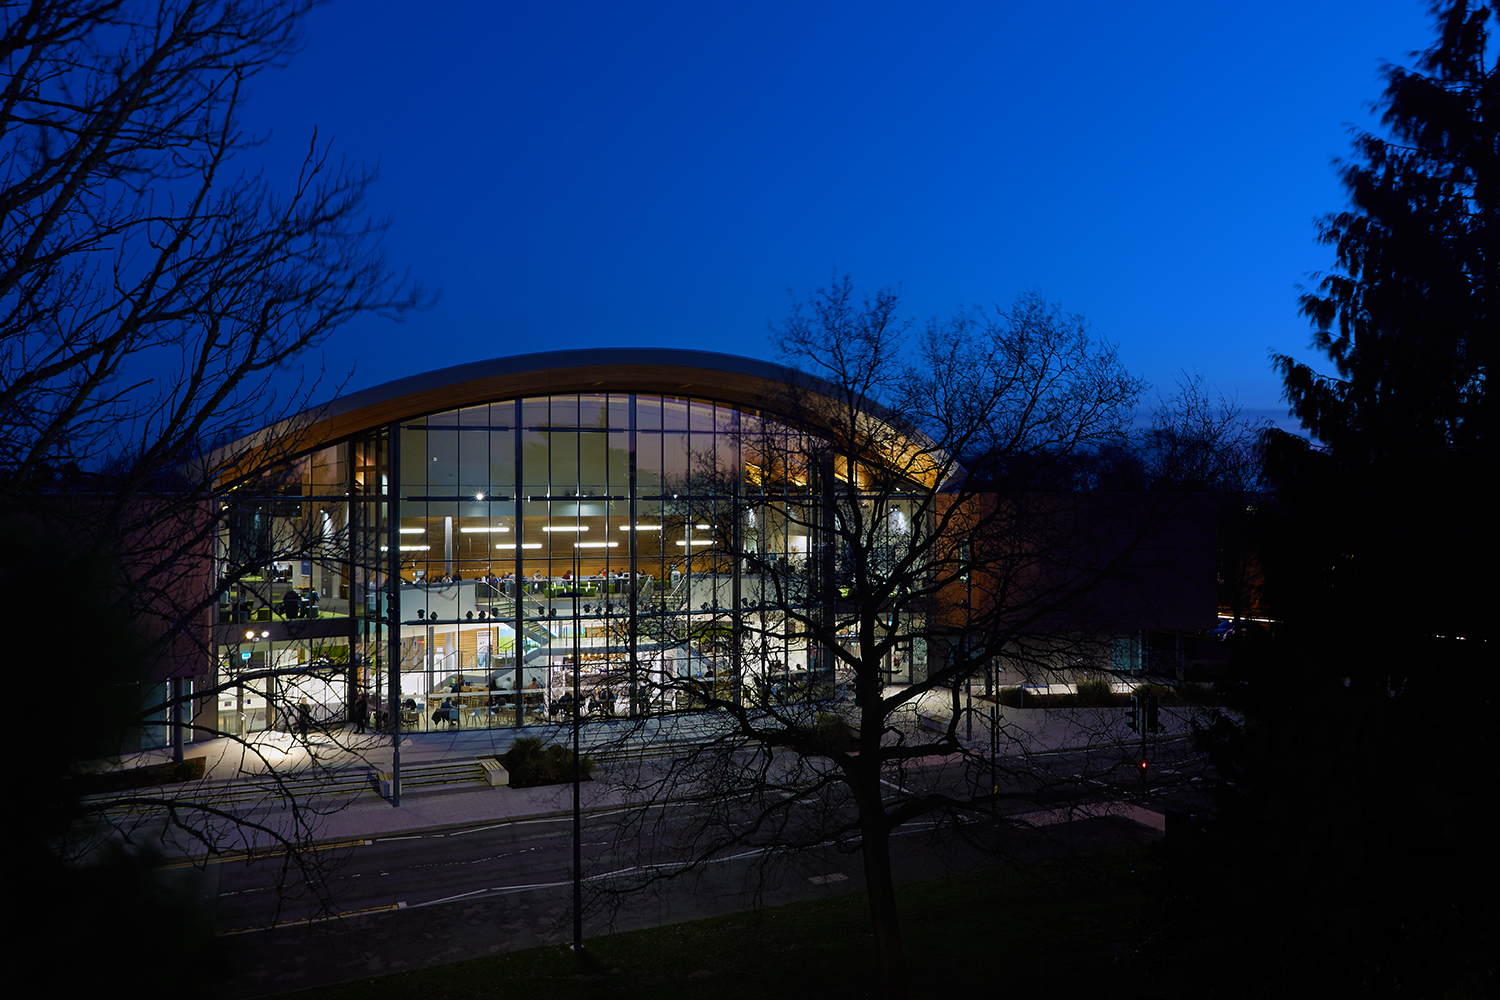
column 428, row 898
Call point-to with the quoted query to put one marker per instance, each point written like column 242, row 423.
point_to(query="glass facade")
column 539, row 529
column 639, row 538
column 300, row 626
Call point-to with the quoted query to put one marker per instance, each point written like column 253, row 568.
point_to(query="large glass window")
column 585, row 531
column 626, row 538
column 301, row 564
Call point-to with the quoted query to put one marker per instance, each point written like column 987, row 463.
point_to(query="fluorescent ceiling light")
column 596, row 545
column 698, row 541
column 702, row 527
column 641, row 527
column 573, row 527
column 484, row 531
column 524, row 545
column 412, row 531
column 407, row 548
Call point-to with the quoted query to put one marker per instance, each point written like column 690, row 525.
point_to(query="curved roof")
column 727, row 378
column 669, row 372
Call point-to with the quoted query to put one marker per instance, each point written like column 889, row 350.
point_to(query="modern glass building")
column 483, row 531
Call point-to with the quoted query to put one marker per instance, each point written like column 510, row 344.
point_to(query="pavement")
column 356, row 809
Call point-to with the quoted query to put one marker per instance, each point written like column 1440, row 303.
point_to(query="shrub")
column 1164, row 692
column 530, row 764
column 191, row 769
column 833, row 732
column 1194, row 693
column 1095, row 691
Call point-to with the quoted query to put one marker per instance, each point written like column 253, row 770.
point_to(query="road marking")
column 1052, row 817
column 260, row 855
column 498, row 890
column 449, row 899
column 479, row 829
column 315, row 920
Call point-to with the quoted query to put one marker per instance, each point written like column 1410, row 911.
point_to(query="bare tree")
column 153, row 284
column 947, row 485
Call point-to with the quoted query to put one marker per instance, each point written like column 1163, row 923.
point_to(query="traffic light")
column 1144, row 764
column 1153, row 718
column 1135, row 711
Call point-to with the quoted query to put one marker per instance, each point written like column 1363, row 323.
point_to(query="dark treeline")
column 1351, row 857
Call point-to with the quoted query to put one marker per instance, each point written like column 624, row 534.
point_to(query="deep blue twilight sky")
column 578, row 174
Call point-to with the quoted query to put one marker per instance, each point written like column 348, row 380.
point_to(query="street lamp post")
column 239, row 689
column 992, row 681
column 575, row 593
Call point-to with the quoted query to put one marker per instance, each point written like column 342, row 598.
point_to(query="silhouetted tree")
column 1368, row 704
column 153, row 283
column 1405, row 424
column 912, row 512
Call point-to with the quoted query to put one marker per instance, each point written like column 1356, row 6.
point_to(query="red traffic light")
column 1144, row 765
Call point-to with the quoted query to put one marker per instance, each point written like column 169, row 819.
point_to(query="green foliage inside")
column 530, row 764
column 333, row 654
column 710, row 634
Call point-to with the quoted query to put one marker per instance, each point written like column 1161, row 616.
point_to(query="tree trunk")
column 881, row 889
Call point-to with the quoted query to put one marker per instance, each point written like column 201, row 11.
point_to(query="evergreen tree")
column 1391, row 516
column 1350, row 859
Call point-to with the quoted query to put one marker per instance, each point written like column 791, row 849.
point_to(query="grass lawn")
column 1053, row 930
